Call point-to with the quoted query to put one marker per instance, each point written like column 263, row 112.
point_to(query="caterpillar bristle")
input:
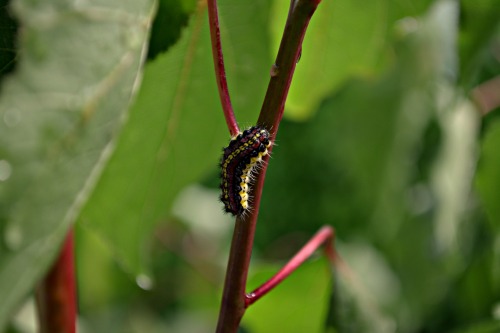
column 241, row 160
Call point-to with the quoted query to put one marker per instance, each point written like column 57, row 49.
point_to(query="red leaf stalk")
column 220, row 72
column 56, row 295
column 324, row 236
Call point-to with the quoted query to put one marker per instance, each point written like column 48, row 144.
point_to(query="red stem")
column 220, row 72
column 284, row 67
column 56, row 295
column 233, row 299
column 324, row 236
column 486, row 95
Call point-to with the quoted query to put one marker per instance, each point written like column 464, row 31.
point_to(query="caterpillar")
column 240, row 157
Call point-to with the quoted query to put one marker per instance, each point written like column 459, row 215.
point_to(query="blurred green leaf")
column 488, row 174
column 484, row 327
column 298, row 304
column 60, row 112
column 357, row 154
column 8, row 35
column 480, row 22
column 357, row 303
column 390, row 161
column 338, row 47
column 170, row 19
column 176, row 129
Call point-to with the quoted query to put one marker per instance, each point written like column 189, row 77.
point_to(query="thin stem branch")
column 233, row 299
column 284, row 67
column 220, row 72
column 324, row 236
column 56, row 296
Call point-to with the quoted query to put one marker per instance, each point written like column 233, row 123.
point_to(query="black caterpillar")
column 244, row 152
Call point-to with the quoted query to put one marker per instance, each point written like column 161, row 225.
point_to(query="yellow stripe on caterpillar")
column 244, row 152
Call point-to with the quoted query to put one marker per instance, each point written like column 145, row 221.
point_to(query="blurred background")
column 391, row 135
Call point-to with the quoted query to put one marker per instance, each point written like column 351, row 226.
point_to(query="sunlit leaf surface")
column 176, row 129
column 59, row 114
column 297, row 305
column 337, row 47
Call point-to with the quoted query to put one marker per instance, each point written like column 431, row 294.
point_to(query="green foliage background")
column 381, row 140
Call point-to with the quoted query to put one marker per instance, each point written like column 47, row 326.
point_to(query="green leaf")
column 356, row 150
column 491, row 326
column 60, row 112
column 298, row 304
column 388, row 160
column 488, row 174
column 345, row 39
column 364, row 287
column 170, row 19
column 480, row 23
column 8, row 33
column 246, row 45
column 176, row 129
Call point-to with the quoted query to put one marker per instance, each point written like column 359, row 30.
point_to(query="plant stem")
column 56, row 295
column 233, row 299
column 324, row 236
column 220, row 72
column 282, row 71
column 486, row 95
